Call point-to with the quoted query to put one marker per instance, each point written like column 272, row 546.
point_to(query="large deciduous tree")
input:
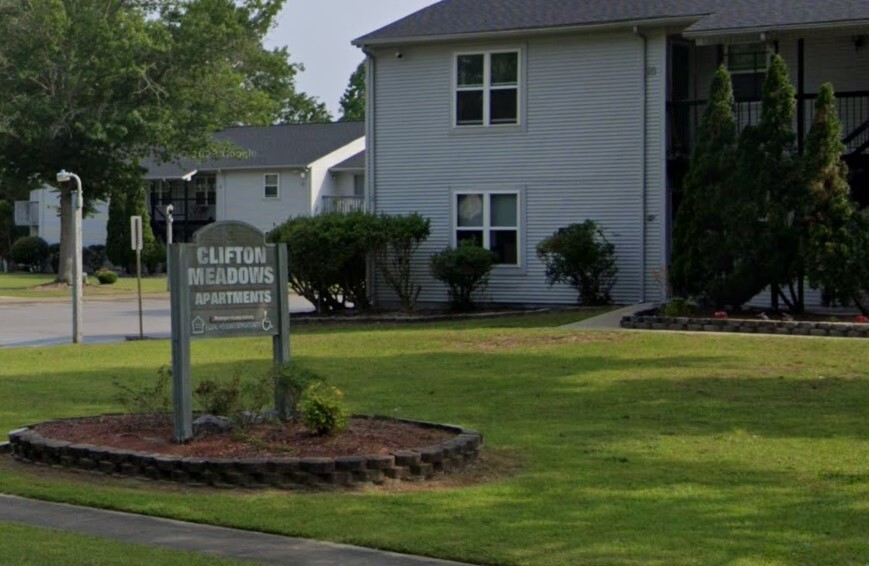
column 93, row 86
column 353, row 100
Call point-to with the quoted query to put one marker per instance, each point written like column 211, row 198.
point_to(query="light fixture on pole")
column 77, row 200
column 169, row 220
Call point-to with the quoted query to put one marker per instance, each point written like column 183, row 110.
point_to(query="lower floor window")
column 490, row 220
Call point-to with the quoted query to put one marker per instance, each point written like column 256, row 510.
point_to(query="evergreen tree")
column 118, row 229
column 137, row 205
column 837, row 235
column 700, row 231
column 770, row 194
column 353, row 100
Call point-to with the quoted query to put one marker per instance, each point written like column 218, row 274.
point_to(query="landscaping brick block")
column 407, row 458
column 317, row 465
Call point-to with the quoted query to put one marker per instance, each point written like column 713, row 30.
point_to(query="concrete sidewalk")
column 609, row 320
column 205, row 539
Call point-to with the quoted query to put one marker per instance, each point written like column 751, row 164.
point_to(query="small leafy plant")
column 219, row 398
column 323, row 411
column 150, row 400
column 291, row 380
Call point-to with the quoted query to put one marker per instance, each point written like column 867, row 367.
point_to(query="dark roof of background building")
column 458, row 17
column 352, row 163
column 263, row 147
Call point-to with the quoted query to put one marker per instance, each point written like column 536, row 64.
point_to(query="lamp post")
column 77, row 200
column 169, row 220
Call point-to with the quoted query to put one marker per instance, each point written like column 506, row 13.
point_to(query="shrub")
column 464, row 270
column 581, row 256
column 322, row 410
column 401, row 236
column 151, row 400
column 94, row 257
column 30, row 251
column 153, row 255
column 677, row 307
column 290, row 382
column 327, row 257
column 216, row 398
column 106, row 276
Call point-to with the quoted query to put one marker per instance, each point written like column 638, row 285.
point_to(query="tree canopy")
column 353, row 100
column 94, row 86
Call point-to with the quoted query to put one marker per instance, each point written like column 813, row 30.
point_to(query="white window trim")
column 277, row 185
column 487, row 87
column 487, row 227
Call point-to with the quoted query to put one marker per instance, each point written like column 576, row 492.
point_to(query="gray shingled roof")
column 292, row 145
column 458, row 17
column 352, row 163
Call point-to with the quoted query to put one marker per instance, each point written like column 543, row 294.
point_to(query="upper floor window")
column 747, row 64
column 487, row 88
column 490, row 220
column 271, row 185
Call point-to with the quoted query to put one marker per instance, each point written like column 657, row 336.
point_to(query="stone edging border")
column 648, row 320
column 427, row 462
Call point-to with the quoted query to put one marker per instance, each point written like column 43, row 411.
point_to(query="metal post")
column 179, row 300
column 139, row 286
column 77, row 202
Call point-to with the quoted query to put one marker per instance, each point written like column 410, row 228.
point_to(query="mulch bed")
column 154, row 434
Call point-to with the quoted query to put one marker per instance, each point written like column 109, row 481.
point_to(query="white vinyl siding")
column 578, row 154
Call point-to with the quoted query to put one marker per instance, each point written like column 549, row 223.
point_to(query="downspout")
column 370, row 76
column 643, row 179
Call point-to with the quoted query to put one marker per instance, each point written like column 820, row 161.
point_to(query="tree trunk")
column 64, row 266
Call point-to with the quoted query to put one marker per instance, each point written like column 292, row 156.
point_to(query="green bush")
column 327, row 257
column 400, row 237
column 581, row 256
column 464, row 270
column 219, row 398
column 153, row 255
column 677, row 307
column 94, row 257
column 290, row 381
column 30, row 252
column 322, row 410
column 148, row 399
column 106, row 276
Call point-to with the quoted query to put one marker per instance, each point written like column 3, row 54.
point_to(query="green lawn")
column 31, row 546
column 38, row 286
column 628, row 447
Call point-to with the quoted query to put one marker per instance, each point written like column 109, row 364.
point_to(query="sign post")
column 169, row 220
column 229, row 282
column 136, row 245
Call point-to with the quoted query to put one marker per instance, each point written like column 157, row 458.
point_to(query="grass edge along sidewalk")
column 626, row 447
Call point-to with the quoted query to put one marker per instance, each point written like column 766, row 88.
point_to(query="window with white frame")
column 491, row 220
column 487, row 88
column 271, row 184
column 748, row 64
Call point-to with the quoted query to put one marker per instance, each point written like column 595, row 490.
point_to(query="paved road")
column 47, row 323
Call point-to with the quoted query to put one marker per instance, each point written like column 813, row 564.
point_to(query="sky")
column 317, row 33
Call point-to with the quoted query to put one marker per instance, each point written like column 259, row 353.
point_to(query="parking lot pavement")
column 49, row 323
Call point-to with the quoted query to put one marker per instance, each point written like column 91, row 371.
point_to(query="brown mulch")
column 154, row 434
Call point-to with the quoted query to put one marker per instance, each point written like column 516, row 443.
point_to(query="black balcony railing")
column 853, row 110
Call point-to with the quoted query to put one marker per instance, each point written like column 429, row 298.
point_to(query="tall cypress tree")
column 118, row 229
column 770, row 193
column 698, row 254
column 837, row 235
